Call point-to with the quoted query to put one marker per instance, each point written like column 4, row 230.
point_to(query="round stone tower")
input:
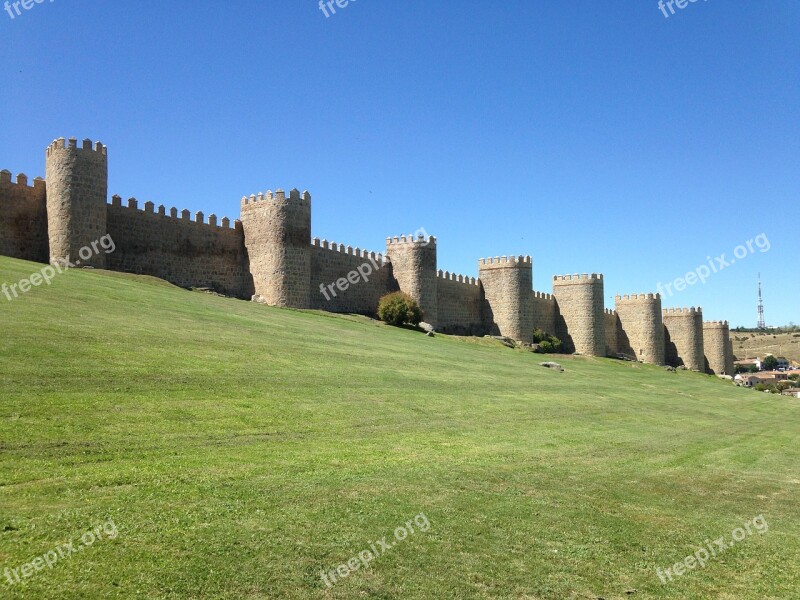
column 683, row 338
column 718, row 349
column 77, row 188
column 277, row 235
column 414, row 267
column 507, row 287
column 641, row 327
column 581, row 315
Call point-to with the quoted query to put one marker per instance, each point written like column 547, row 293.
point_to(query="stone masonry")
column 683, row 337
column 270, row 256
column 642, row 329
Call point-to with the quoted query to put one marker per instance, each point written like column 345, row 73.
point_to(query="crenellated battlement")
column 420, row 239
column 637, row 297
column 582, row 278
column 448, row 276
column 295, row 195
column 72, row 144
column 349, row 251
column 185, row 215
column 506, row 262
column 269, row 255
column 21, row 180
column 676, row 311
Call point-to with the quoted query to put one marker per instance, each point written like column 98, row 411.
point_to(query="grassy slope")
column 240, row 449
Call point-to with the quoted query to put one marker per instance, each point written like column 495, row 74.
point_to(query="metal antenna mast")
column 761, row 324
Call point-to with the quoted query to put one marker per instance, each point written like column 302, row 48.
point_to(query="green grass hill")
column 241, row 449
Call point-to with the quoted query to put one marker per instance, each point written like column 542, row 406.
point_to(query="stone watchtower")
column 581, row 325
column 507, row 284
column 683, row 337
column 77, row 188
column 414, row 267
column 718, row 348
column 277, row 235
column 642, row 324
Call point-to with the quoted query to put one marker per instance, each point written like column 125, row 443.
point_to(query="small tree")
column 770, row 363
column 539, row 336
column 546, row 343
column 398, row 308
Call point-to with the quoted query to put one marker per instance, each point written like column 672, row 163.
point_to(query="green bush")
column 547, row 344
column 770, row 363
column 398, row 308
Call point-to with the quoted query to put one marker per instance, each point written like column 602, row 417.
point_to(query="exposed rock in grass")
column 552, row 365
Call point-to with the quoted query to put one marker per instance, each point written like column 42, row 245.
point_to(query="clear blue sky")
column 594, row 136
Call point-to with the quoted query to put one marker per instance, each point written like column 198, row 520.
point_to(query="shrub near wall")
column 398, row 308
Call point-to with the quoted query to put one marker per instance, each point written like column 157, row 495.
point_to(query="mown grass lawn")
column 241, row 450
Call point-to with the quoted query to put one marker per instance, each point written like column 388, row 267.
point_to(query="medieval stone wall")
column 269, row 256
column 459, row 302
column 507, row 283
column 683, row 338
column 543, row 311
column 718, row 348
column 77, row 193
column 613, row 329
column 23, row 218
column 277, row 232
column 414, row 267
column 185, row 252
column 365, row 277
column 580, row 322
column 642, row 329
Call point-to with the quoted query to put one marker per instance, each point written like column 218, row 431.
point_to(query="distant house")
column 746, row 380
column 783, row 363
column 795, row 392
column 766, row 377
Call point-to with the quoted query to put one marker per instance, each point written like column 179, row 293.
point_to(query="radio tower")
column 761, row 323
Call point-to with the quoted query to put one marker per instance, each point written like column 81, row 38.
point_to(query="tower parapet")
column 718, row 348
column 77, row 187
column 580, row 323
column 414, row 262
column 277, row 231
column 641, row 327
column 507, row 285
column 683, row 338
